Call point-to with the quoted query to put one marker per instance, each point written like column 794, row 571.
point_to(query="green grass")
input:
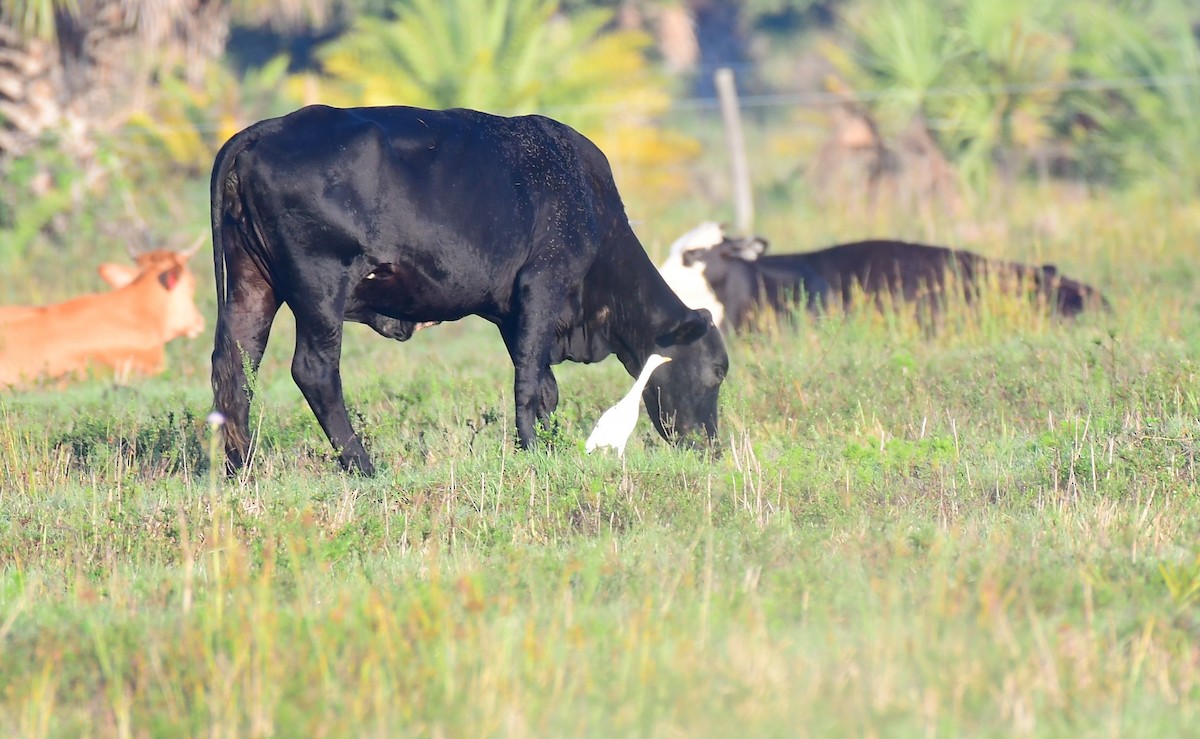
column 993, row 530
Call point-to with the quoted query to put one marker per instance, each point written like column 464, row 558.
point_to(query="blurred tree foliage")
column 84, row 83
column 752, row 12
column 513, row 57
column 1147, row 126
column 184, row 125
column 1102, row 89
column 984, row 75
column 100, row 98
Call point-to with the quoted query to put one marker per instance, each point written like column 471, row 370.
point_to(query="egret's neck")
column 643, row 377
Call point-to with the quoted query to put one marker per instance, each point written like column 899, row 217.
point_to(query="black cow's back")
column 914, row 272
column 895, row 267
column 404, row 187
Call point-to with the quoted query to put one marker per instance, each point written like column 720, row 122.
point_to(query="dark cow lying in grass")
column 399, row 217
column 736, row 280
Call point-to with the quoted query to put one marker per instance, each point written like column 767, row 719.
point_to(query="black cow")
column 742, row 280
column 398, row 217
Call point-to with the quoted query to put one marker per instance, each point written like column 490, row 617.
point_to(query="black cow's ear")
column 1050, row 270
column 692, row 327
column 747, row 249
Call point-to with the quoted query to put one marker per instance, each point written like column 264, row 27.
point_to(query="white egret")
column 616, row 424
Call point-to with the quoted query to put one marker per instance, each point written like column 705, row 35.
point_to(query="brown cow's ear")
column 117, row 275
column 692, row 327
column 170, row 278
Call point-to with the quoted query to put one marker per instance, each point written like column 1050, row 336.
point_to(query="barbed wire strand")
column 818, row 98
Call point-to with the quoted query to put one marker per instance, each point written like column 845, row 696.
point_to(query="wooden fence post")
column 743, row 197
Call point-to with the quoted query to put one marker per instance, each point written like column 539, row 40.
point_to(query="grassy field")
column 993, row 531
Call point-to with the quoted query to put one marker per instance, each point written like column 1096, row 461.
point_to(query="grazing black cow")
column 741, row 280
column 398, row 217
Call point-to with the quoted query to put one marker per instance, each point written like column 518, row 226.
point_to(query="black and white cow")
column 728, row 278
column 399, row 217
column 735, row 279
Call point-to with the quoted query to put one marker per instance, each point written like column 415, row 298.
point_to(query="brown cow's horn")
column 134, row 215
column 190, row 252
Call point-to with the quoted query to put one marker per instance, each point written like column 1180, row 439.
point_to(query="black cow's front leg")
column 316, row 370
column 529, row 339
column 534, row 388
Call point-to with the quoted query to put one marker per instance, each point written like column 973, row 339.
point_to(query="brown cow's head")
column 182, row 318
column 165, row 270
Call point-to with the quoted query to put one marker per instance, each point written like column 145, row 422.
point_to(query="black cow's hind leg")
column 242, row 330
column 315, row 368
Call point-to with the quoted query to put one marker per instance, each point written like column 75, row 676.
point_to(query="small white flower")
column 216, row 419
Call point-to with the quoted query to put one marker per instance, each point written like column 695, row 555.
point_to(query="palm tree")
column 501, row 55
column 983, row 73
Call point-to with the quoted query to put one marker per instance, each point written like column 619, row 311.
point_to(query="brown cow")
column 125, row 329
column 116, row 275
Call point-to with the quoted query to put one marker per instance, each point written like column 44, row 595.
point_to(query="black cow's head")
column 681, row 396
column 746, row 249
column 1068, row 297
column 727, row 261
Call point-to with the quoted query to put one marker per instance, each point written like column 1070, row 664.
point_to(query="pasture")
column 993, row 530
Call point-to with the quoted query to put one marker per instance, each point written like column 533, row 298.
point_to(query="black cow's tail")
column 222, row 169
